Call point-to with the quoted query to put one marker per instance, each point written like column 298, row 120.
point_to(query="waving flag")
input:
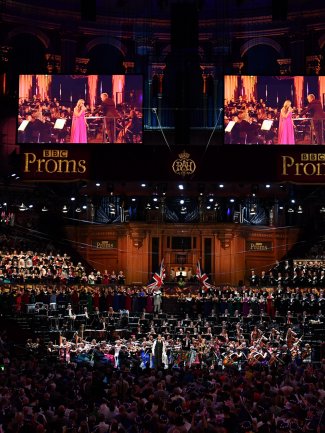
column 158, row 278
column 203, row 278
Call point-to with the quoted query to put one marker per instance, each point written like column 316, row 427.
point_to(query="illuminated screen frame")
column 44, row 99
column 260, row 100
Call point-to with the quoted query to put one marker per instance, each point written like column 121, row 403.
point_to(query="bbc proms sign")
column 55, row 164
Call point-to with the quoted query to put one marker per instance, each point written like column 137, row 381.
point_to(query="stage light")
column 13, row 175
column 268, row 186
column 78, row 210
column 293, row 201
column 134, row 199
column 73, row 198
column 65, row 209
column 211, row 200
column 232, row 200
column 155, row 199
column 84, row 206
column 97, row 184
column 208, row 207
column 322, row 209
column 221, row 185
column 181, row 202
column 180, row 186
column 299, row 209
column 143, row 185
column 290, row 210
column 44, row 209
column 23, row 207
column 31, row 206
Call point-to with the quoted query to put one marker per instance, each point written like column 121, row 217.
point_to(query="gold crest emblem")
column 184, row 165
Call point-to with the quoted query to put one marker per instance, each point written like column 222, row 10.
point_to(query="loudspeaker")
column 88, row 10
column 279, row 10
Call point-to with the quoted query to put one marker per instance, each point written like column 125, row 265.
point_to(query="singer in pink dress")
column 79, row 123
column 286, row 130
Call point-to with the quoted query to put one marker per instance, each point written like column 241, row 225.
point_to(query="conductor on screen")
column 110, row 115
column 315, row 109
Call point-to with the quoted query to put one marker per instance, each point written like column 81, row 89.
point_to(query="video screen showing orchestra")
column 80, row 109
column 274, row 109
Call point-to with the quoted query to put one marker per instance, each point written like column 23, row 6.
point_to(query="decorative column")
column 129, row 67
column 285, row 66
column 238, row 66
column 313, row 64
column 53, row 63
column 81, row 65
column 298, row 35
column 68, row 50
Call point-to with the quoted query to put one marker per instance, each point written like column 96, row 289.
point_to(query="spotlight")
column 299, row 209
column 84, row 207
column 65, row 209
column 232, row 200
column 268, row 186
column 97, row 184
column 23, row 207
column 211, row 200
column 181, row 202
column 155, row 199
column 143, row 185
column 134, row 199
column 73, row 198
column 180, row 186
column 221, row 185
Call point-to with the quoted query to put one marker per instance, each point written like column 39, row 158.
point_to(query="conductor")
column 110, row 115
column 315, row 109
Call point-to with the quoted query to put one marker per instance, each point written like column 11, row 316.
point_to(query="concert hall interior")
column 156, row 273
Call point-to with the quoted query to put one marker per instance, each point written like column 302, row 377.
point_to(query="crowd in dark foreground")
column 41, row 393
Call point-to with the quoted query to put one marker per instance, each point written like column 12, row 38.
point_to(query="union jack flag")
column 158, row 278
column 203, row 278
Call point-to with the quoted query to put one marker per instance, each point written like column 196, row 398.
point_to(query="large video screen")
column 274, row 109
column 80, row 109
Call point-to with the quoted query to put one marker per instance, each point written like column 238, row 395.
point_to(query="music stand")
column 228, row 130
column 22, row 131
column 59, row 124
column 266, row 125
column 58, row 128
column 230, row 126
column 23, row 125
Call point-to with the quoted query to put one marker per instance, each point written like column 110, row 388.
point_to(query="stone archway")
column 106, row 55
column 260, row 41
column 18, row 31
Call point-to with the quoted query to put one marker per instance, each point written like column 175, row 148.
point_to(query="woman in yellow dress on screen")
column 79, row 123
column 286, row 130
